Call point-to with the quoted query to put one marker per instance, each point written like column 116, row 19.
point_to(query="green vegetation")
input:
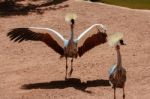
column 136, row 4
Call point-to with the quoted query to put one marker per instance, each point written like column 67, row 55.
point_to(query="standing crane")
column 71, row 48
column 117, row 74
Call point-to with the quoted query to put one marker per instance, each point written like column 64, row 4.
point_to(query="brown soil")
column 31, row 70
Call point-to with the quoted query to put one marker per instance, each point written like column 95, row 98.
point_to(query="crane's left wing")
column 54, row 40
column 91, row 38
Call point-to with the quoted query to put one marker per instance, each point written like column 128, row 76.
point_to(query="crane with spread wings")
column 71, row 48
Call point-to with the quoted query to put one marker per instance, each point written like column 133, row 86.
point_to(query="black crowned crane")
column 66, row 48
column 117, row 74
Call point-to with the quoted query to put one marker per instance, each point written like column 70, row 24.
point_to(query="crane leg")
column 114, row 92
column 71, row 67
column 66, row 69
column 123, row 93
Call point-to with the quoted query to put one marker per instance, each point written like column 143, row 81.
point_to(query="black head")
column 72, row 21
column 122, row 42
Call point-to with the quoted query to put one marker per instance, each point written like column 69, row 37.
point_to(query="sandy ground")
column 39, row 69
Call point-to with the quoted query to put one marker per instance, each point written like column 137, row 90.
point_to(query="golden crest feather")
column 114, row 38
column 70, row 16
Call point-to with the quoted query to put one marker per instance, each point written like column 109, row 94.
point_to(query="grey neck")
column 72, row 33
column 119, row 61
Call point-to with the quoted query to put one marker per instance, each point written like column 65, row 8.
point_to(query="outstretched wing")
column 51, row 39
column 89, row 39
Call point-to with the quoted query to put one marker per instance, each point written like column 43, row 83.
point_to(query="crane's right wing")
column 91, row 37
column 53, row 40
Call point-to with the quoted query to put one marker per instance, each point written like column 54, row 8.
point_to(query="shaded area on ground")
column 14, row 8
column 71, row 82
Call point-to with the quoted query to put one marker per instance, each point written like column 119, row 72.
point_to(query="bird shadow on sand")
column 71, row 82
column 12, row 8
